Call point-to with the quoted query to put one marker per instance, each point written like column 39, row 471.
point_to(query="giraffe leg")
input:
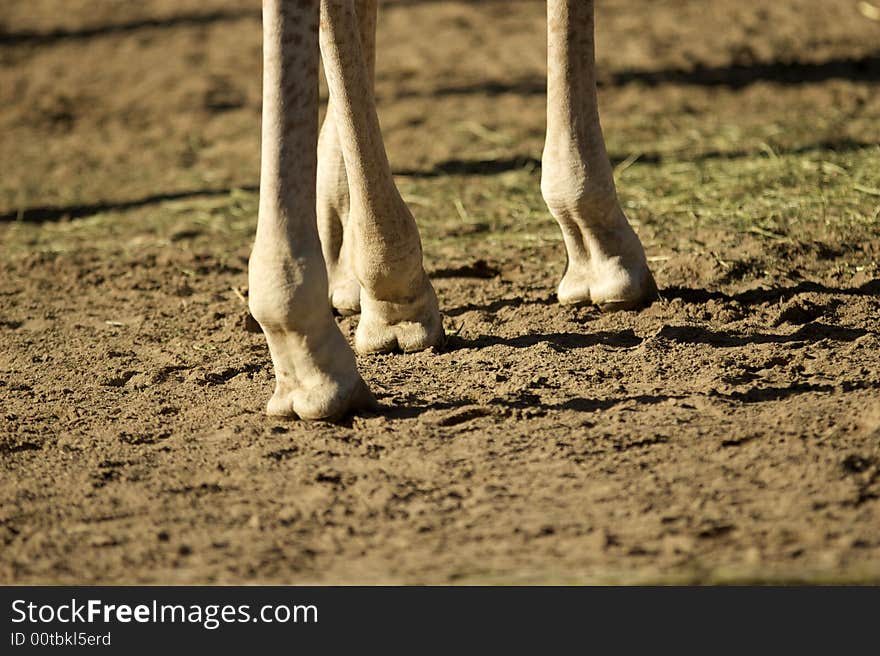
column 315, row 372
column 398, row 305
column 337, row 241
column 332, row 213
column 606, row 261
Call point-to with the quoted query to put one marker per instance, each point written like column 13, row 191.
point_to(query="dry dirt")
column 730, row 432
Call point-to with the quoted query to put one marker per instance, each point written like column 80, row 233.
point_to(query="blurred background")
column 110, row 101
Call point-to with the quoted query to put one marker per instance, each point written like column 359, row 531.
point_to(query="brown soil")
column 731, row 431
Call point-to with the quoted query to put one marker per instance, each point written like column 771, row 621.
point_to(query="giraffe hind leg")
column 606, row 261
column 334, row 198
column 399, row 309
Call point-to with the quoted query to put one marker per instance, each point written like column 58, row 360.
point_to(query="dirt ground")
column 728, row 433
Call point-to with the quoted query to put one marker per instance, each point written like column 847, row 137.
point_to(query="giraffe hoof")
column 316, row 376
column 610, row 285
column 345, row 298
column 647, row 294
column 329, row 402
column 412, row 326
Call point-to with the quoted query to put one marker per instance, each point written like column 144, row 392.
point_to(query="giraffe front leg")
column 315, row 371
column 606, row 261
column 399, row 309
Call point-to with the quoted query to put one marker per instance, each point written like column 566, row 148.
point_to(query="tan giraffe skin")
column 333, row 196
column 332, row 224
